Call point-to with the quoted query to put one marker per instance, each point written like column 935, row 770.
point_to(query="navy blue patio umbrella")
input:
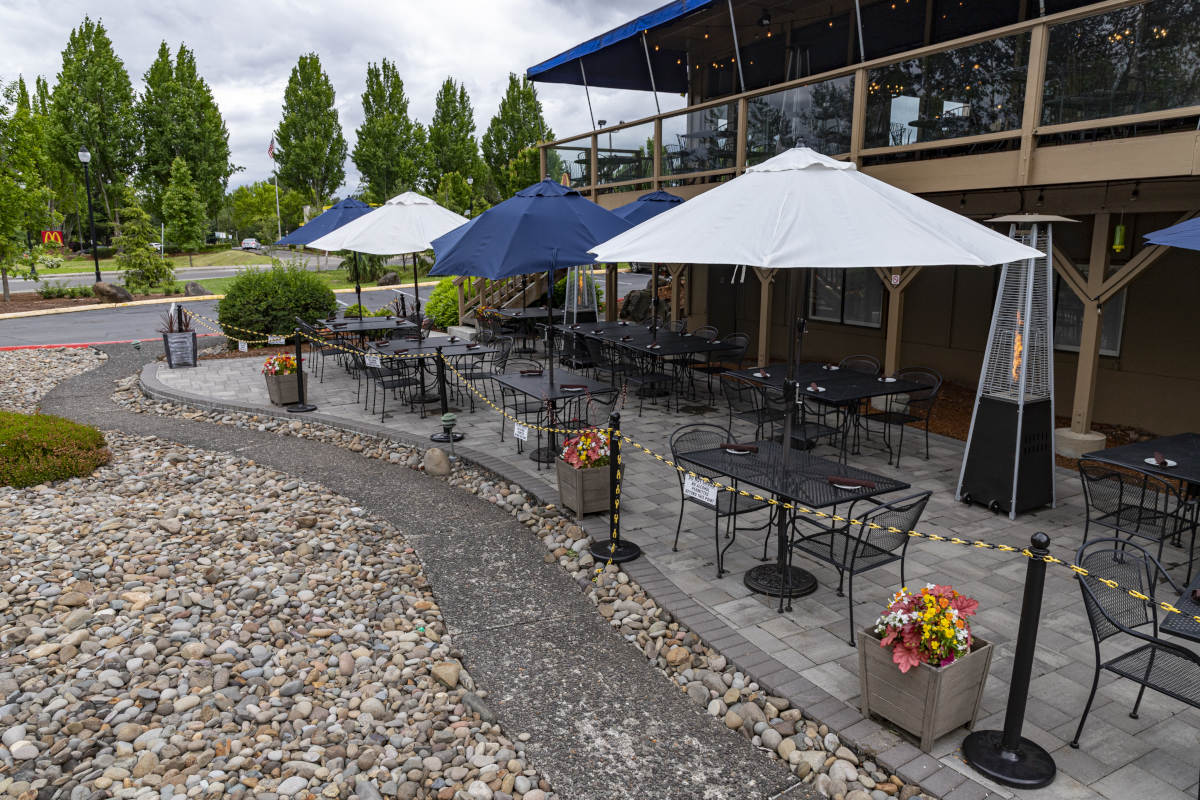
column 330, row 220
column 1185, row 234
column 649, row 205
column 541, row 228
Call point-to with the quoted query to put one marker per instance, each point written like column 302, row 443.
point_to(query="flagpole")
column 278, row 221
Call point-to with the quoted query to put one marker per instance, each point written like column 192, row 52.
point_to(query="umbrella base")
column 301, row 408
column 544, row 455
column 768, row 579
column 444, row 438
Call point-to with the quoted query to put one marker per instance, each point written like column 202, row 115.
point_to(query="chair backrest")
column 678, row 326
column 514, row 366
column 1112, row 611
column 741, row 341
column 740, row 394
column 505, row 343
column 862, row 362
column 599, row 409
column 1131, row 503
column 901, row 515
column 926, row 377
column 706, row 332
column 690, row 438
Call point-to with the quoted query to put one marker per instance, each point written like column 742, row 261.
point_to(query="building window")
column 846, row 296
column 1068, row 321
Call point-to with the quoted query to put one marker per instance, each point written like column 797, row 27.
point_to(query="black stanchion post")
column 616, row 549
column 300, row 406
column 447, row 434
column 178, row 316
column 1005, row 756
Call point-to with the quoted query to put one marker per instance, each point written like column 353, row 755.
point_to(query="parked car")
column 250, row 244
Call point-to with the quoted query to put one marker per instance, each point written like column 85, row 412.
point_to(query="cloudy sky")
column 247, row 48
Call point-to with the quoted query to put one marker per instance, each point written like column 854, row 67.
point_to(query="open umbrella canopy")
column 328, row 221
column 405, row 224
column 541, row 227
column 648, row 205
column 803, row 209
column 1186, row 234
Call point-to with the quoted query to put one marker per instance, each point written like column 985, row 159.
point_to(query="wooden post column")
column 1089, row 337
column 766, row 277
column 676, row 272
column 895, row 317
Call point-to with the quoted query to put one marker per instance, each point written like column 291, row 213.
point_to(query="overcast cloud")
column 247, row 48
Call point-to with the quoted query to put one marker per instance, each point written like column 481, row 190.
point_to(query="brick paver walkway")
column 804, row 653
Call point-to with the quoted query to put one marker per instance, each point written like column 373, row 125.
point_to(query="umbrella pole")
column 550, row 319
column 417, row 299
column 781, row 579
column 357, row 287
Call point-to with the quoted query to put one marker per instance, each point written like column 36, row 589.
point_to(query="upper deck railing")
column 1113, row 69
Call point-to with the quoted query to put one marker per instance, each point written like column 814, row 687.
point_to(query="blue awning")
column 616, row 59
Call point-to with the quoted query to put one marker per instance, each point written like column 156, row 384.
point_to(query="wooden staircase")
column 504, row 293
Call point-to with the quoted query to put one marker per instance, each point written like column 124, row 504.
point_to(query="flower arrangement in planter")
column 584, row 480
column 919, row 664
column 280, row 371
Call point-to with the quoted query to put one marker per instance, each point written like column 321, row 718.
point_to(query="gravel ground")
column 27, row 375
column 809, row 749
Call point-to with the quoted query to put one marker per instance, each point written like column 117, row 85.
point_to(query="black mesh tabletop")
column 842, row 386
column 1184, row 625
column 539, row 386
column 355, row 325
column 806, row 479
column 1182, row 448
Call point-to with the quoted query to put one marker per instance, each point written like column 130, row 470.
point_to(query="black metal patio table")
column 806, row 482
column 1184, row 623
column 1182, row 448
column 528, row 319
column 566, row 387
column 450, row 346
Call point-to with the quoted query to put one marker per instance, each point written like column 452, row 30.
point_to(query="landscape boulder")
column 389, row 279
column 112, row 294
column 636, row 307
column 193, row 289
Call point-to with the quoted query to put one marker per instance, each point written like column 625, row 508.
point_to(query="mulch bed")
column 32, row 301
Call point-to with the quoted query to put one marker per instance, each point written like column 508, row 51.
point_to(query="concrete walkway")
column 603, row 723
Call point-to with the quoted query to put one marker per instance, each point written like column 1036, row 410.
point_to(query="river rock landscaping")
column 28, row 374
column 811, row 750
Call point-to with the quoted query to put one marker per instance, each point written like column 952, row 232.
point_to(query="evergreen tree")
column 252, row 210
column 456, row 194
column 142, row 267
column 452, row 146
column 177, row 116
column 183, row 210
column 66, row 199
column 92, row 105
column 309, row 147
column 389, row 151
column 518, row 125
column 24, row 199
column 520, row 172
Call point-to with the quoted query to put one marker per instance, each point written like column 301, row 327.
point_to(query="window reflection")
column 816, row 116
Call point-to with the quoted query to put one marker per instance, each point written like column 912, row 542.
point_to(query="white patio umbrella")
column 405, row 224
column 802, row 209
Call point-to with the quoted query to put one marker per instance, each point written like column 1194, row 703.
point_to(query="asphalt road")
column 142, row 322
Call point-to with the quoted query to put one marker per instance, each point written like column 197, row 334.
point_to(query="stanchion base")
column 625, row 551
column 544, row 455
column 1029, row 767
column 301, row 408
column 444, row 437
column 768, row 579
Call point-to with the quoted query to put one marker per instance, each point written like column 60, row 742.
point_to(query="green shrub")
column 353, row 311
column 267, row 301
column 52, row 290
column 80, row 291
column 35, row 448
column 442, row 306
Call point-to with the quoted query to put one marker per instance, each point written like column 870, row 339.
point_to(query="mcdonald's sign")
column 52, row 237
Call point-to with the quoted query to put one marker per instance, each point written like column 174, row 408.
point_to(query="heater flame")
column 1018, row 349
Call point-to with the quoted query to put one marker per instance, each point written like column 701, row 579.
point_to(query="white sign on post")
column 895, row 279
column 242, row 346
column 699, row 489
column 373, row 361
column 521, row 432
column 275, row 340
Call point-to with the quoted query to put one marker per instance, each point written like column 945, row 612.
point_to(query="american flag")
column 271, row 148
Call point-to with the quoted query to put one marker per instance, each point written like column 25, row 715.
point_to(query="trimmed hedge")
column 267, row 301
column 442, row 306
column 36, row 448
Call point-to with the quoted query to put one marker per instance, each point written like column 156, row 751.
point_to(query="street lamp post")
column 471, row 208
column 84, row 158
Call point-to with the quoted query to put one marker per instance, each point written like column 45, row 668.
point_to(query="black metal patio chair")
column 862, row 362
column 728, row 505
column 1133, row 504
column 904, row 409
column 881, row 537
column 1153, row 663
column 748, row 402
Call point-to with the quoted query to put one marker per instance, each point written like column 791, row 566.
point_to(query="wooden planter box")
column 926, row 701
column 180, row 348
column 283, row 390
column 584, row 491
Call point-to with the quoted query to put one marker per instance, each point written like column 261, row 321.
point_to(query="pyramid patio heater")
column 1008, row 464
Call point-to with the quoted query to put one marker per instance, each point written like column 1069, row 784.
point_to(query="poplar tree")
column 310, row 149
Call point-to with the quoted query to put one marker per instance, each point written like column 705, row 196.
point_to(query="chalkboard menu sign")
column 180, row 348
